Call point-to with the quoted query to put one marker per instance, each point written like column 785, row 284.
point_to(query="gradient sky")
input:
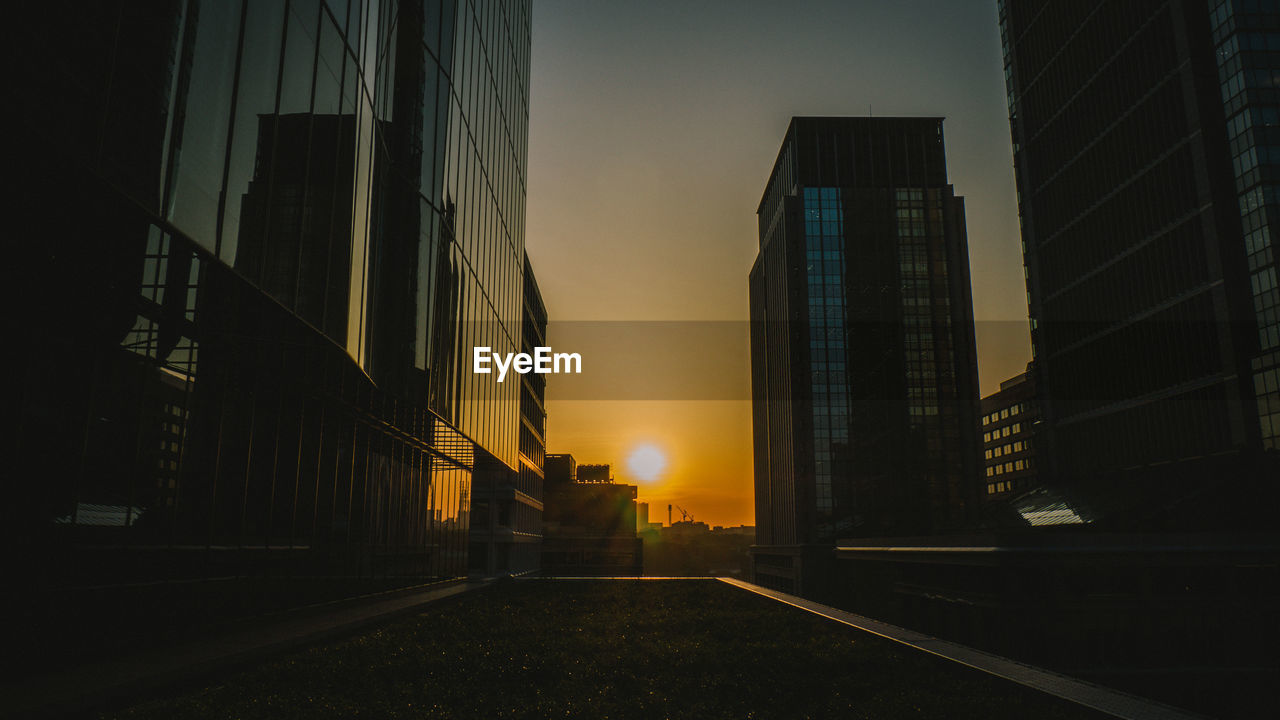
column 653, row 128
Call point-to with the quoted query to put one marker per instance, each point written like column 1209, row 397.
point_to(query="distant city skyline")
column 653, row 128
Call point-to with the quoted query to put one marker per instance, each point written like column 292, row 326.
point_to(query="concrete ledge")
column 1097, row 697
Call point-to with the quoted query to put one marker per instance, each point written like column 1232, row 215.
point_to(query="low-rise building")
column 1009, row 416
column 589, row 526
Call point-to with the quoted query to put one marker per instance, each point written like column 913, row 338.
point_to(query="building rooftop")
column 618, row 649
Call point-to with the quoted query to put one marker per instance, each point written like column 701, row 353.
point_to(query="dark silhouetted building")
column 1010, row 418
column 589, row 528
column 257, row 241
column 1143, row 136
column 689, row 548
column 594, row 474
column 559, row 469
column 864, row 378
column 506, row 508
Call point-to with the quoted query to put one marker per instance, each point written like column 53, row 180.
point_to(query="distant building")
column 682, row 528
column 559, row 469
column 589, row 527
column 643, row 525
column 594, row 474
column 506, row 505
column 864, row 377
column 1009, row 417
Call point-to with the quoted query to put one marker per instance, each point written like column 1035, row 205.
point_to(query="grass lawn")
column 611, row 649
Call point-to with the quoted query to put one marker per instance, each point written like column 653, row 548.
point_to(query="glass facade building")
column 1141, row 134
column 1246, row 40
column 863, row 363
column 261, row 238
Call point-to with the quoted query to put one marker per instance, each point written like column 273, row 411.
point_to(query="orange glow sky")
column 653, row 128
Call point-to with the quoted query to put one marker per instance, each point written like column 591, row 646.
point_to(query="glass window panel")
column 430, row 119
column 448, row 12
column 355, row 26
column 328, row 91
column 299, row 57
column 197, row 178
column 252, row 136
column 339, row 8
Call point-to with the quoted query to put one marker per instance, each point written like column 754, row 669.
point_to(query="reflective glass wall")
column 476, row 190
column 261, row 238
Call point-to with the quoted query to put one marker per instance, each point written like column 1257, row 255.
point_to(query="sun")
column 647, row 462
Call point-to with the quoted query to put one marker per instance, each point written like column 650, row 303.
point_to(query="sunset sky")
column 653, row 129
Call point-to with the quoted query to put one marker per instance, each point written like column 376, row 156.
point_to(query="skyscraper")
column 864, row 379
column 1142, row 136
column 264, row 237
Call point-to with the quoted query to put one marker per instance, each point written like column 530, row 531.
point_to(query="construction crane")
column 684, row 515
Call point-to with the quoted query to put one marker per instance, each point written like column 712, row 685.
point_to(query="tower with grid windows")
column 1145, row 149
column 864, row 374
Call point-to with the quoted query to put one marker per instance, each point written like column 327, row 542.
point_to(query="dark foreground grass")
column 612, row 649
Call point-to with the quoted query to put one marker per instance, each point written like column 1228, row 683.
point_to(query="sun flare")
column 647, row 462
